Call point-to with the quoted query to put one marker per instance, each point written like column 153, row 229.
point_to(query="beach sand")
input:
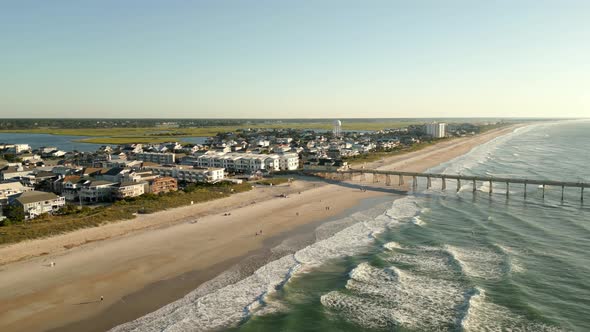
column 142, row 264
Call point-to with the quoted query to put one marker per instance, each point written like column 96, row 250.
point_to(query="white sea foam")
column 425, row 259
column 392, row 246
column 418, row 221
column 516, row 265
column 478, row 262
column 233, row 303
column 486, row 316
column 383, row 298
column 479, row 154
column 423, row 296
column 220, row 308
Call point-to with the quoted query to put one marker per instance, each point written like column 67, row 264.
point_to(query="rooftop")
column 35, row 196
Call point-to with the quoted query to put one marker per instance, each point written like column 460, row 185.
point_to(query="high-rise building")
column 337, row 130
column 436, row 129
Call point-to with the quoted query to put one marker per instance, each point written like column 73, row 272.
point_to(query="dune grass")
column 126, row 209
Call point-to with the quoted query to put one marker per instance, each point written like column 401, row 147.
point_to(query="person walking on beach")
column 102, row 298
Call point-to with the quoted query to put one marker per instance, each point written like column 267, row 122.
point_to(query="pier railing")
column 349, row 173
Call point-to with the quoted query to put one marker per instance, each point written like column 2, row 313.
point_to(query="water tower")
column 337, row 131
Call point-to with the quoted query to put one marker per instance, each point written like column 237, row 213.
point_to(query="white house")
column 96, row 191
column 189, row 174
column 248, row 162
column 129, row 189
column 289, row 161
column 12, row 188
column 156, row 157
column 19, row 148
column 36, row 203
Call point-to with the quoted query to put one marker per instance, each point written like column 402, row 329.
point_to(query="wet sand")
column 156, row 260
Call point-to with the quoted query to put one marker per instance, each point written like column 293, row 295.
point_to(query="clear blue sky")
column 317, row 58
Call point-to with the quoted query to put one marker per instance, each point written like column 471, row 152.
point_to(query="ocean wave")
column 486, row 316
column 480, row 154
column 478, row 262
column 221, row 308
column 392, row 246
column 384, row 298
column 426, row 294
column 235, row 302
column 418, row 221
column 424, row 260
column 515, row 265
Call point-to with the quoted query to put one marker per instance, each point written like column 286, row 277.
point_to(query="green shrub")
column 75, row 218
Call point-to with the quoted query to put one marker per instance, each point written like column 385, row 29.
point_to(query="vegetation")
column 72, row 217
column 157, row 135
column 129, row 139
column 11, row 158
column 14, row 213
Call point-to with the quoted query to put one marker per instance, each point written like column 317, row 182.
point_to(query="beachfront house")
column 163, row 184
column 69, row 187
column 249, row 162
column 96, row 191
column 129, row 189
column 189, row 174
column 36, row 203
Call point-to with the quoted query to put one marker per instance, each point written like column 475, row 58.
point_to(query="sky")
column 294, row 59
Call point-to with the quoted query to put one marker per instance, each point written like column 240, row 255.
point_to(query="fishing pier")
column 390, row 176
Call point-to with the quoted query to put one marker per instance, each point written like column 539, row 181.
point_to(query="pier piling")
column 562, row 190
column 414, row 183
column 458, row 185
column 474, row 186
column 507, row 189
column 401, row 180
column 444, row 184
column 491, row 187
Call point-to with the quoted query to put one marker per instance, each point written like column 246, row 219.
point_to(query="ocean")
column 431, row 261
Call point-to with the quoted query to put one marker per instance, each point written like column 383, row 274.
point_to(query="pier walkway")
column 414, row 176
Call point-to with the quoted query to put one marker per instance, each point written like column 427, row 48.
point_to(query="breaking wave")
column 486, row 316
column 426, row 289
column 235, row 302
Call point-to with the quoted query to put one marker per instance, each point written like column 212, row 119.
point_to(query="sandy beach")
column 142, row 264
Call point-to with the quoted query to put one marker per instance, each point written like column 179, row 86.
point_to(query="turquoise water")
column 458, row 261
